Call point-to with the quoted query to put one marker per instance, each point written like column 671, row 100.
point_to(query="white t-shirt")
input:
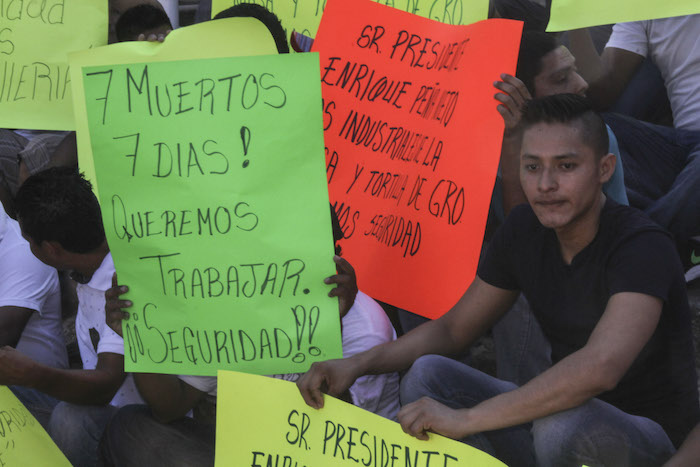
column 365, row 326
column 28, row 283
column 91, row 315
column 674, row 46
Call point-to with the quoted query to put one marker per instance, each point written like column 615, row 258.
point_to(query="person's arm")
column 13, row 319
column 627, row 324
column 88, row 387
column 477, row 310
column 607, row 74
column 689, row 452
column 512, row 97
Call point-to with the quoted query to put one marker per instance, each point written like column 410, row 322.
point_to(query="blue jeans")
column 77, row 429
column 134, row 438
column 662, row 172
column 40, row 405
column 595, row 433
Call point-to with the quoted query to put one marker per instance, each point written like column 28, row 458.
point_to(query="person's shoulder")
column 627, row 226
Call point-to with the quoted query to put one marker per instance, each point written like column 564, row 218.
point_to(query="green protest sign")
column 35, row 39
column 214, row 199
column 22, row 439
column 574, row 14
column 304, row 16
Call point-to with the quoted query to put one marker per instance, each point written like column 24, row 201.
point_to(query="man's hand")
column 425, row 414
column 512, row 98
column 347, row 285
column 333, row 377
column 113, row 306
column 17, row 368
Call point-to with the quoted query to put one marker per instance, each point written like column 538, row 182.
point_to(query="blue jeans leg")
column 460, row 386
column 134, row 438
column 40, row 405
column 597, row 434
column 77, row 429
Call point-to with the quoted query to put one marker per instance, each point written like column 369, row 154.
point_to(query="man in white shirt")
column 61, row 219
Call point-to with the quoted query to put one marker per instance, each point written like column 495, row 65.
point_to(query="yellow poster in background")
column 304, row 16
column 234, row 37
column 35, row 39
column 576, row 14
column 23, row 442
column 263, row 422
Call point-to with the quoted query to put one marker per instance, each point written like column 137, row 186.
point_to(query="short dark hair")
column 568, row 109
column 58, row 204
column 268, row 18
column 533, row 47
column 139, row 19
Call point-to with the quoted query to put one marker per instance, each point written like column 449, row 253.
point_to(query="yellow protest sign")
column 304, row 16
column 35, row 39
column 575, row 14
column 22, row 439
column 233, row 37
column 287, row 432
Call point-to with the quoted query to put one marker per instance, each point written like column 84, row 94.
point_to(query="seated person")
column 60, row 218
column 623, row 387
column 673, row 46
column 143, row 22
column 129, row 437
column 30, row 312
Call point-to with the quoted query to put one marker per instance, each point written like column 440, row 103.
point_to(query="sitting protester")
column 622, row 389
column 61, row 219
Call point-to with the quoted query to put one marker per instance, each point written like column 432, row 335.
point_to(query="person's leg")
column 40, row 405
column 522, row 350
column 460, row 386
column 134, row 438
column 77, row 429
column 596, row 433
column 678, row 209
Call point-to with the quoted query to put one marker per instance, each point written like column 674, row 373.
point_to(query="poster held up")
column 413, row 140
column 215, row 207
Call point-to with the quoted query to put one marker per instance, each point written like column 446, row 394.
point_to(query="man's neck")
column 578, row 235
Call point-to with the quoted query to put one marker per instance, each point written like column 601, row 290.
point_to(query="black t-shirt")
column 628, row 254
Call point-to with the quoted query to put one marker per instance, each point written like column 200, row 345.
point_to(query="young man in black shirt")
column 607, row 287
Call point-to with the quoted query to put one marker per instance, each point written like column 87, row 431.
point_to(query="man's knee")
column 418, row 381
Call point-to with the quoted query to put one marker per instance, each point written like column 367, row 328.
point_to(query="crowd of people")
column 593, row 236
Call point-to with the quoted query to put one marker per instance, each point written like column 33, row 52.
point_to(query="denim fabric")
column 134, row 438
column 77, row 429
column 593, row 434
column 662, row 172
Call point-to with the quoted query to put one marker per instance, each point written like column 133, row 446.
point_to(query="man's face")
column 559, row 75
column 561, row 176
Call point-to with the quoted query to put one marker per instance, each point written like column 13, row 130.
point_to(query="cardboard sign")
column 35, row 39
column 304, row 16
column 215, row 207
column 288, row 433
column 22, row 439
column 413, row 140
column 234, row 37
column 574, row 14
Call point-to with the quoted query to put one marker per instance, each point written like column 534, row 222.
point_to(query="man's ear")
column 606, row 167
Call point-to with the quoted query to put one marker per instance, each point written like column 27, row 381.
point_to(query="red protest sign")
column 413, row 140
